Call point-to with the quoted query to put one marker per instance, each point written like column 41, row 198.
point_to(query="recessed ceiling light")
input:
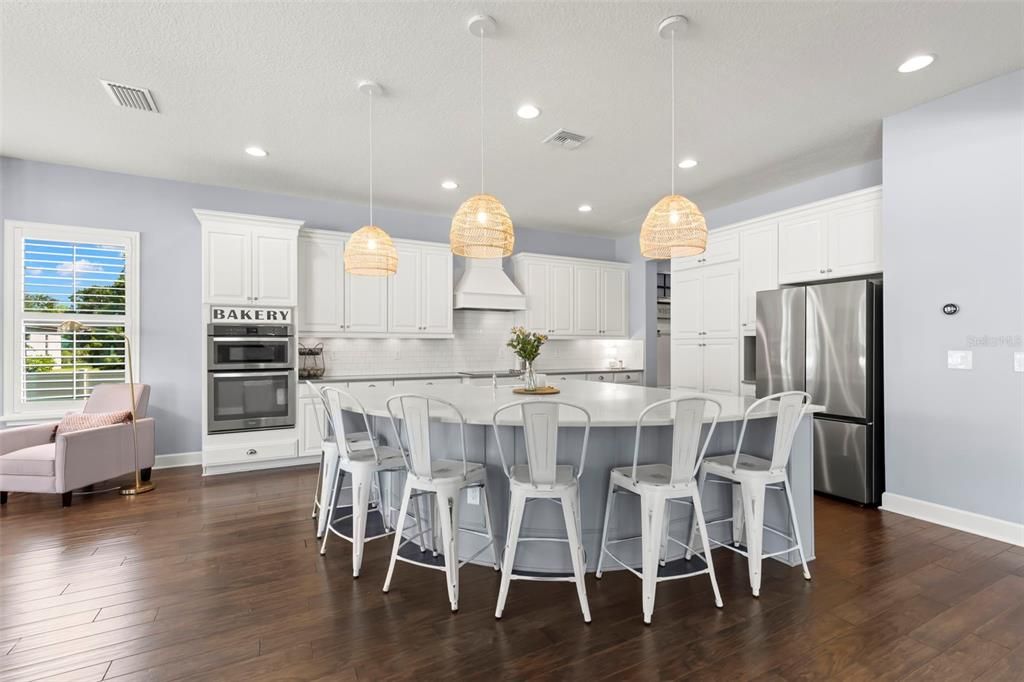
column 258, row 152
column 450, row 184
column 916, row 63
column 527, row 111
column 585, row 208
column 688, row 163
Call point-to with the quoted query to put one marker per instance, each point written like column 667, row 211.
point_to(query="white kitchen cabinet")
column 589, row 307
column 687, row 320
column 366, row 304
column 426, row 383
column 249, row 260
column 311, row 420
column 321, row 284
column 548, row 287
column 228, row 266
column 855, row 239
column 573, row 297
column 688, row 364
column 706, row 366
column 837, row 239
column 419, row 296
column 634, row 378
column 436, row 310
column 606, row 377
column 803, row 247
column 759, row 269
column 721, row 248
column 415, row 302
column 275, row 262
column 705, row 302
column 404, row 308
column 721, row 366
column 614, row 317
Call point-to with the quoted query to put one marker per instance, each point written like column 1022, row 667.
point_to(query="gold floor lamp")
column 72, row 326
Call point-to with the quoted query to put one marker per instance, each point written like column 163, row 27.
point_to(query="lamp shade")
column 482, row 228
column 371, row 252
column 674, row 227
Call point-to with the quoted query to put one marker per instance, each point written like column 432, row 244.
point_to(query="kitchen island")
column 614, row 409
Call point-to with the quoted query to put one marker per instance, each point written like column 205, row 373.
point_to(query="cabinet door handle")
column 250, row 452
column 821, row 271
column 829, row 269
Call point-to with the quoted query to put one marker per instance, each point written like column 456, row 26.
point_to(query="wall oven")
column 251, row 382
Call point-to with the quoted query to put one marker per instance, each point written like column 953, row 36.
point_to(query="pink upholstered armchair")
column 31, row 461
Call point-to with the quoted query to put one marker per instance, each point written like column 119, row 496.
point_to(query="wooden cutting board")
column 543, row 390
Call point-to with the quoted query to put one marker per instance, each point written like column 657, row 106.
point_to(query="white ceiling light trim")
column 686, row 164
column 449, row 184
column 257, row 152
column 528, row 112
column 585, row 208
column 916, row 63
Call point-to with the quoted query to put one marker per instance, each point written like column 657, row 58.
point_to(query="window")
column 55, row 274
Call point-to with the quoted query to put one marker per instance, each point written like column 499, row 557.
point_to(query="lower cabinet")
column 706, row 366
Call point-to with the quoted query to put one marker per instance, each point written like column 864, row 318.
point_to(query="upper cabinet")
column 415, row 302
column 722, row 247
column 705, row 302
column 249, row 260
column 839, row 238
column 759, row 269
column 573, row 297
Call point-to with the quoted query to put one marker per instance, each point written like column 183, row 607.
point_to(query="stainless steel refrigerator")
column 826, row 339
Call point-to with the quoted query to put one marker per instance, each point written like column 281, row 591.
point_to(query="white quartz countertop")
column 609, row 404
column 459, row 374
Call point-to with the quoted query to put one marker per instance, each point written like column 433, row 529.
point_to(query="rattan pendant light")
column 370, row 251
column 482, row 227
column 674, row 226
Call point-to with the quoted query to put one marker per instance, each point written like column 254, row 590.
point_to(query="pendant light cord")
column 673, row 107
column 481, row 110
column 371, row 157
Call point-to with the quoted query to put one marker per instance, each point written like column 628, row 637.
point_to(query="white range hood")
column 485, row 286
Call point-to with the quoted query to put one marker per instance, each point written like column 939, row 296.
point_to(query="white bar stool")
column 754, row 476
column 364, row 467
column 542, row 478
column 328, row 453
column 661, row 484
column 444, row 479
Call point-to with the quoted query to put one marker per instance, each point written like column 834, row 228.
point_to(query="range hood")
column 485, row 286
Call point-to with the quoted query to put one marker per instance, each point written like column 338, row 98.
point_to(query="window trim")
column 15, row 232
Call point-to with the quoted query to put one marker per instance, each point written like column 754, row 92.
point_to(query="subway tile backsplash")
column 479, row 344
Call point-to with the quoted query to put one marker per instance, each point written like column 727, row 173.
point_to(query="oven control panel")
column 249, row 330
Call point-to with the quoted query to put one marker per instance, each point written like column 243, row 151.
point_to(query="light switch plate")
column 1018, row 362
column 960, row 359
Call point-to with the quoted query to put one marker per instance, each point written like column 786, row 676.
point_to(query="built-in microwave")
column 244, row 347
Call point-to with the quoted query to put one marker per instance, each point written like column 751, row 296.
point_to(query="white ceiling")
column 768, row 94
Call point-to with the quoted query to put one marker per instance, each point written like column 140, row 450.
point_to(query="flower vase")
column 530, row 377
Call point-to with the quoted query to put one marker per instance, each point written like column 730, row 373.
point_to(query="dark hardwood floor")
column 220, row 578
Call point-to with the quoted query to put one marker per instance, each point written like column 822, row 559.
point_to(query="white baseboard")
column 978, row 524
column 178, row 459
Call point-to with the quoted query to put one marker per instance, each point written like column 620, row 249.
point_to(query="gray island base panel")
column 614, row 409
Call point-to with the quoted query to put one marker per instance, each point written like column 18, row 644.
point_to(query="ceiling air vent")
column 565, row 139
column 140, row 99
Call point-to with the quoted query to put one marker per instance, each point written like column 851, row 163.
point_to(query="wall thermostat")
column 951, row 308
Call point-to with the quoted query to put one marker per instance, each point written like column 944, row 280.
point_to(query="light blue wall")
column 953, row 220
column 161, row 210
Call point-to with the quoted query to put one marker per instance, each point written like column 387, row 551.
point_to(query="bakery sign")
column 233, row 314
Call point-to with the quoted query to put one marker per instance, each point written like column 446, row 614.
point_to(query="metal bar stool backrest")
column 337, row 401
column 541, row 419
column 792, row 406
column 687, row 419
column 415, row 411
